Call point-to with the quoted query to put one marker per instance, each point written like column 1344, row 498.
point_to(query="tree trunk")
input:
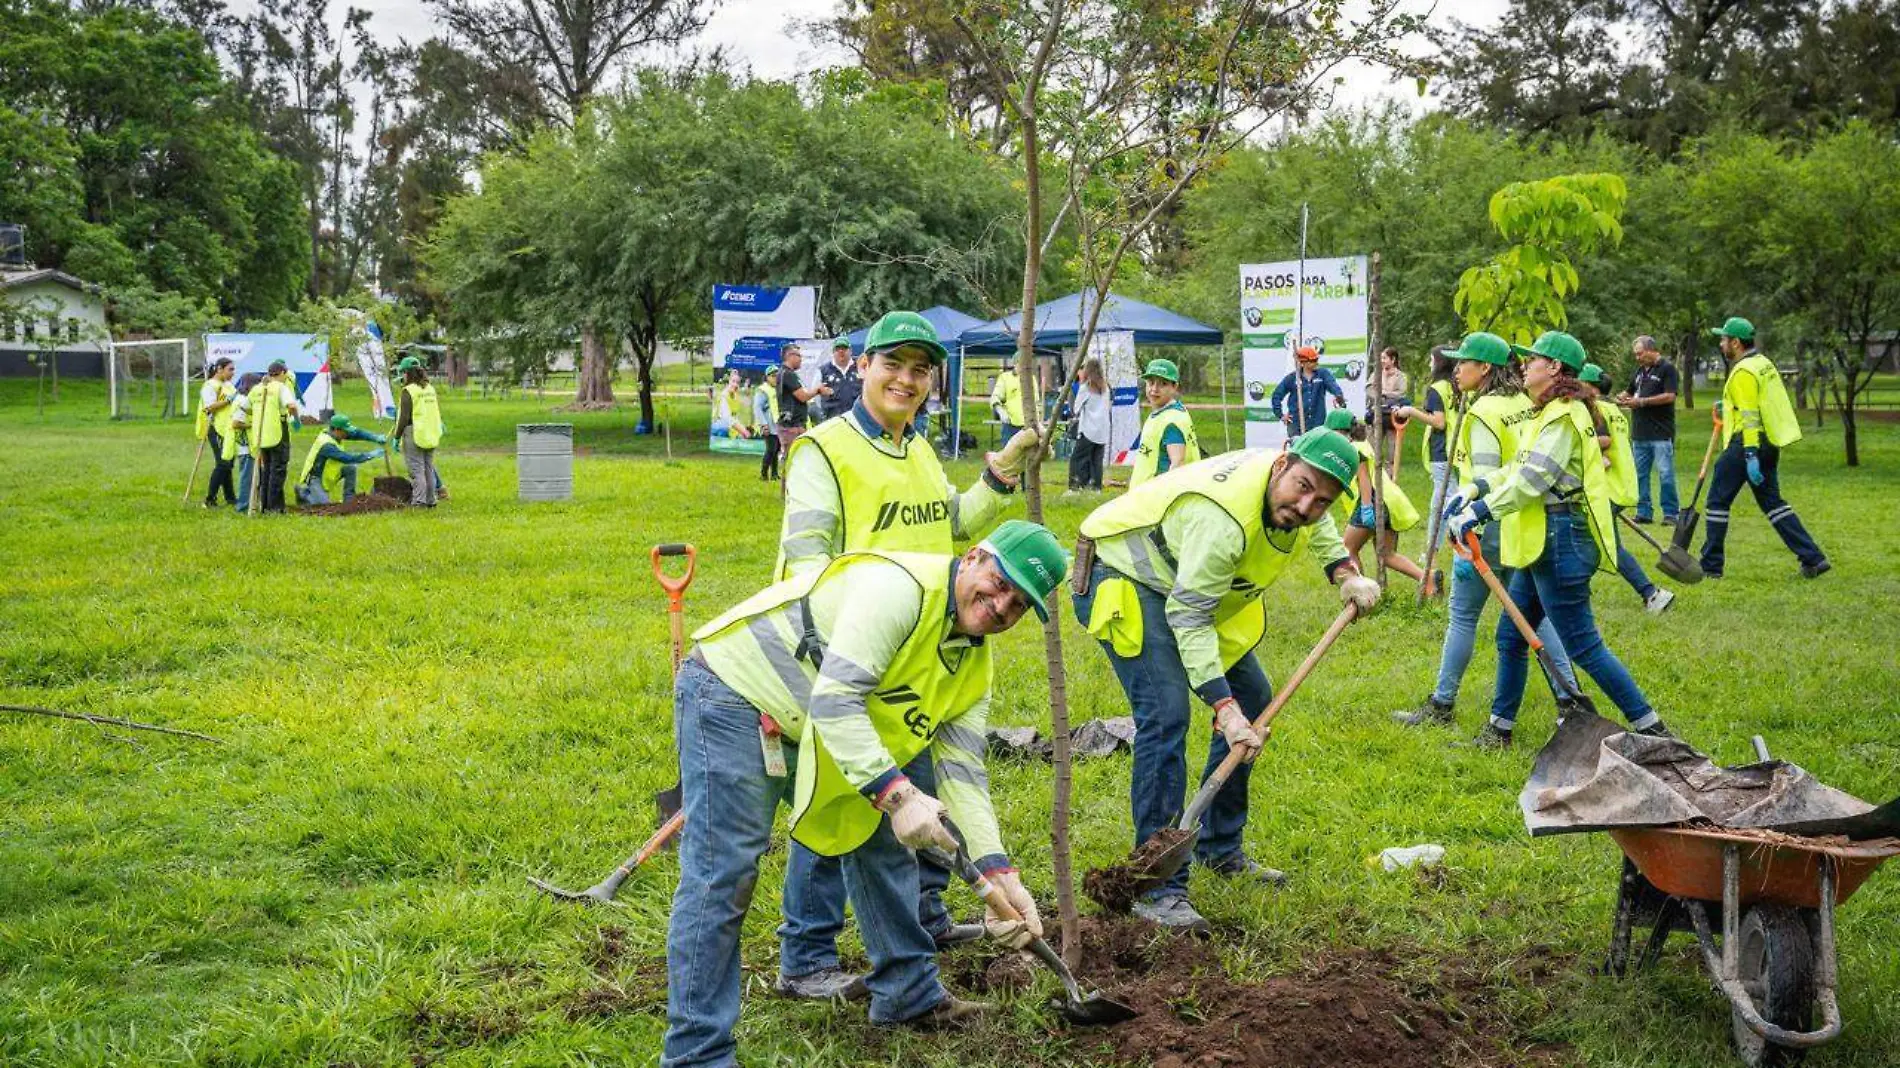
column 455, row 368
column 594, row 385
column 644, row 362
column 1850, row 431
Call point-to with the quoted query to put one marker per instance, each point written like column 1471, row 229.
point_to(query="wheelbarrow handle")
column 675, row 587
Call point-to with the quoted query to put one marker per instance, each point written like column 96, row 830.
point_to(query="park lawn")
column 421, row 709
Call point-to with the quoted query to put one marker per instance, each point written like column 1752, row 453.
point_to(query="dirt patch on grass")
column 388, row 494
column 394, row 486
column 1115, row 888
column 1340, row 1010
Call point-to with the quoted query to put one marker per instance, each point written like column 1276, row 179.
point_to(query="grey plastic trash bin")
column 544, row 461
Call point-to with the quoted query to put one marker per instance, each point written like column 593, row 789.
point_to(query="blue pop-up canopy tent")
column 1059, row 325
column 948, row 322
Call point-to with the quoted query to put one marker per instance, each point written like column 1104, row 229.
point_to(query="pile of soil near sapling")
column 1353, row 1009
column 387, row 494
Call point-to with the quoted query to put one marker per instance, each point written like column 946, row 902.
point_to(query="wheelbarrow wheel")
column 1775, row 961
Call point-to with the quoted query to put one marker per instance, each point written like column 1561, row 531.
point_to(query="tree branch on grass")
column 87, row 717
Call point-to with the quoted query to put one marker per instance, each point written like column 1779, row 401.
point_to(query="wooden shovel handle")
column 1708, row 454
column 1473, row 552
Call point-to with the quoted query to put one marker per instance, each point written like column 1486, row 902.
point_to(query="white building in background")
column 41, row 309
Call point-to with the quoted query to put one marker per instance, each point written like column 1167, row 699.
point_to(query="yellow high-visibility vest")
column 889, row 503
column 1522, row 542
column 425, row 416
column 1149, row 451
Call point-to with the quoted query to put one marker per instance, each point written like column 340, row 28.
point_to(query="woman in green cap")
column 1167, row 438
column 1482, row 435
column 1355, row 508
column 1552, row 504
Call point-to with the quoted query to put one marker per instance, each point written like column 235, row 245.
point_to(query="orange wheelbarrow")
column 1775, row 897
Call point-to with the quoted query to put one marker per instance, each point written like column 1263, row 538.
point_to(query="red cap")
column 1306, row 352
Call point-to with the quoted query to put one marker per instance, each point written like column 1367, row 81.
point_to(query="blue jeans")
column 814, row 896
column 730, row 803
column 311, row 490
column 1557, row 587
column 1469, row 595
column 247, row 466
column 1157, row 687
column 1662, row 456
column 1627, row 567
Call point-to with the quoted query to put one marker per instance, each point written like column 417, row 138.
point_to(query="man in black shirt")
column 841, row 377
column 1653, row 427
column 794, row 399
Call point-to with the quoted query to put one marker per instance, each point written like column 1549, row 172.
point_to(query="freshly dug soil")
column 393, row 486
column 1341, row 1010
column 1115, row 888
column 357, row 505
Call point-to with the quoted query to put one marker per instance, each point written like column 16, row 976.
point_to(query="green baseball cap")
column 1329, row 451
column 1030, row 558
column 772, row 371
column 1484, row 348
column 1556, row 345
column 1737, row 327
column 1339, row 419
column 340, row 422
column 1162, row 369
column 1591, row 373
column 904, row 328
column 841, row 342
column 409, row 363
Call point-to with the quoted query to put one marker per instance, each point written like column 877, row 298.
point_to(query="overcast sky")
column 764, row 35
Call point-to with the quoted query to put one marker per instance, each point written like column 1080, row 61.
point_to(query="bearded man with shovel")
column 865, row 479
column 1169, row 581
column 818, row 691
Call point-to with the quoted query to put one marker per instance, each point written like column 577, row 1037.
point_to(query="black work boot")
column 1490, row 739
column 1657, row 729
column 1429, row 714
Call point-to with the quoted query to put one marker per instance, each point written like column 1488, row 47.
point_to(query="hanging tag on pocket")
column 771, row 747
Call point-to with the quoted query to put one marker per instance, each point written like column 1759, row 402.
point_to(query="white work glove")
column 1008, row 463
column 1465, row 520
column 1234, row 726
column 1359, row 591
column 917, row 818
column 1016, row 934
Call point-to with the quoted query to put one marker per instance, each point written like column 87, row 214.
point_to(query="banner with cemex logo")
column 305, row 356
column 750, row 323
column 1271, row 327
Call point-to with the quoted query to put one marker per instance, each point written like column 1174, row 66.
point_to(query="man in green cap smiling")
column 1758, row 421
column 1167, row 438
column 818, row 691
column 328, row 469
column 865, row 480
column 1174, row 598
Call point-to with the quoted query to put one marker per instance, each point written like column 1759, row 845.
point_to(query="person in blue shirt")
column 328, row 469
column 1314, row 383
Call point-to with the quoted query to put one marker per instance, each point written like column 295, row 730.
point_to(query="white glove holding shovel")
column 1234, row 726
column 1360, row 592
column 1008, row 464
column 916, row 818
column 1015, row 934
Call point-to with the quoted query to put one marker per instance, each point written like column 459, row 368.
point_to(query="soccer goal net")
column 152, row 379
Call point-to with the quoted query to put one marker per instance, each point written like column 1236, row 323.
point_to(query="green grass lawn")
column 421, row 709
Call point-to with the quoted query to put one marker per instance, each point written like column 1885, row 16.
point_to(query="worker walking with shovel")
column 1169, row 581
column 818, row 691
column 1553, row 507
column 865, row 479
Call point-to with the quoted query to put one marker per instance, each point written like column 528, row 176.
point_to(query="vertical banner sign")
column 1116, row 350
column 750, row 325
column 1335, row 310
column 375, row 367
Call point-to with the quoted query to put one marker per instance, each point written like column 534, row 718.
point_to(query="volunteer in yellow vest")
column 274, row 411
column 1437, row 417
column 1006, row 400
column 1758, row 421
column 327, row 469
column 1496, row 413
column 765, row 417
column 1355, row 509
column 817, row 692
column 237, row 446
column 1167, row 437
column 214, row 428
column 1620, row 461
column 420, row 415
column 1552, row 505
column 862, row 480
column 1174, row 598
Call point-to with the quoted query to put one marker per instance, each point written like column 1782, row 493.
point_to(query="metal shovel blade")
column 596, row 894
column 1684, row 533
column 1679, row 565
column 1084, row 1008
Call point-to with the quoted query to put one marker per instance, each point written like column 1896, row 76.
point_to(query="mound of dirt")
column 1341, row 1010
column 1115, row 888
column 357, row 505
column 394, row 486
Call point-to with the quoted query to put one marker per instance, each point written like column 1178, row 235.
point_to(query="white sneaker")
column 1659, row 602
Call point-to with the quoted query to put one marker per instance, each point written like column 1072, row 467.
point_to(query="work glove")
column 1467, row 519
column 1360, row 592
column 1008, row 464
column 1365, row 516
column 916, row 818
column 375, row 454
column 1016, row 934
column 1752, row 457
column 1234, row 726
column 380, row 439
